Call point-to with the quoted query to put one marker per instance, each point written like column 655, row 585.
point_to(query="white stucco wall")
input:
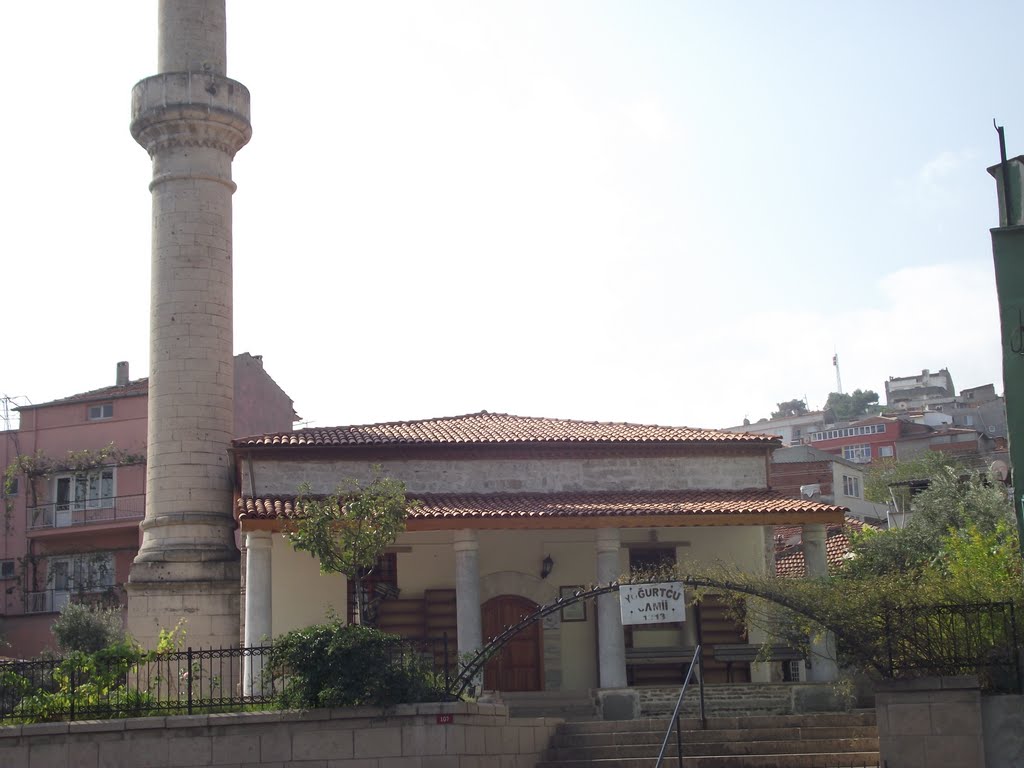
column 282, row 477
column 510, row 563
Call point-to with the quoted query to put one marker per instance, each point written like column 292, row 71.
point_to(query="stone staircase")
column 846, row 740
column 574, row 706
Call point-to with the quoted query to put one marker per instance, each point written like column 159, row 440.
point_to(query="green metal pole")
column 1008, row 257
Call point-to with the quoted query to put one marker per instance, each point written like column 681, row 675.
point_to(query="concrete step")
column 833, row 740
column 618, row 738
column 844, row 719
column 722, row 748
column 825, row 760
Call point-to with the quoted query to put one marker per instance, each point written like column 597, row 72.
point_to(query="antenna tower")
column 839, row 378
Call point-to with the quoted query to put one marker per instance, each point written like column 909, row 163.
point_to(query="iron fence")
column 976, row 639
column 127, row 683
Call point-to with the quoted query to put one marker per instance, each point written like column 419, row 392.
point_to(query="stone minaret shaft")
column 192, row 120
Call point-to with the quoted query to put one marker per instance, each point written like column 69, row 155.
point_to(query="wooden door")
column 517, row 667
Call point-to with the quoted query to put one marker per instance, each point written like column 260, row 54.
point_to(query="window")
column 651, row 559
column 380, row 584
column 833, row 434
column 851, row 486
column 11, row 488
column 860, row 454
column 968, row 420
column 885, row 451
column 84, row 490
column 92, row 572
column 6, row 569
column 103, row 411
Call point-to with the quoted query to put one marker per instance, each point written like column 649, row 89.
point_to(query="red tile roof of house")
column 498, row 428
column 573, row 504
column 790, row 561
column 133, row 388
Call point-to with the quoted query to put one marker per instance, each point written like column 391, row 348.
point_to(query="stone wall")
column 409, row 736
column 932, row 722
column 743, row 699
column 1002, row 720
column 282, row 477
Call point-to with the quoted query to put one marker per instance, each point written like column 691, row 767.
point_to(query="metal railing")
column 673, row 722
column 138, row 684
column 53, row 600
column 975, row 639
column 86, row 512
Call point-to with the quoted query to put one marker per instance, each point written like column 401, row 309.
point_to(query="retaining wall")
column 450, row 735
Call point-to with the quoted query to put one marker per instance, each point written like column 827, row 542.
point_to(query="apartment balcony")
column 53, row 600
column 108, row 510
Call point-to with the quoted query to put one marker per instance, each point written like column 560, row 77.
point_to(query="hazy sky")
column 665, row 212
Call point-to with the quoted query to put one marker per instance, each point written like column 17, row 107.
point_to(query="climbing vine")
column 37, row 465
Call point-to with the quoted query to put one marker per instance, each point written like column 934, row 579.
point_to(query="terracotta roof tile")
column 582, row 504
column 498, row 428
column 133, row 388
column 790, row 561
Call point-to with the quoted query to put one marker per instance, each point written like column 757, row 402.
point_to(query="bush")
column 349, row 665
column 87, row 628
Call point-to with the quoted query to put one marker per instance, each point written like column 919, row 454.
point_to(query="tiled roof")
column 133, row 388
column 485, row 428
column 573, row 504
column 790, row 562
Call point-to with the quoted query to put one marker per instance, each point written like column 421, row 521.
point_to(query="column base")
column 204, row 597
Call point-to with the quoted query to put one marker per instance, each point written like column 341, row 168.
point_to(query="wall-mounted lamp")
column 545, row 567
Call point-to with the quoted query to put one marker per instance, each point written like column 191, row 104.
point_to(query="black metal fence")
column 131, row 684
column 978, row 639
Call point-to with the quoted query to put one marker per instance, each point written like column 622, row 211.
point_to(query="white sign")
column 652, row 603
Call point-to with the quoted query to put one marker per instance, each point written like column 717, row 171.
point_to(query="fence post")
column 447, row 672
column 888, row 639
column 188, row 674
column 71, row 690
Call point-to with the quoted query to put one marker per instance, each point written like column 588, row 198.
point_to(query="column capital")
column 608, row 540
column 259, row 539
column 465, row 540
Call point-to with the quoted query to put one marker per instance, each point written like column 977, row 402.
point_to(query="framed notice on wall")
column 576, row 611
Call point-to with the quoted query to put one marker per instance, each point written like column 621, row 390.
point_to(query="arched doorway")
column 517, row 666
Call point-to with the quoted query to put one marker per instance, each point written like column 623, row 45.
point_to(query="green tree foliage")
column 883, row 473
column 349, row 530
column 87, row 628
column 858, row 403
column 348, row 665
column 790, row 408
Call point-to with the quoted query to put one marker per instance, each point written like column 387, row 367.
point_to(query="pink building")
column 72, row 508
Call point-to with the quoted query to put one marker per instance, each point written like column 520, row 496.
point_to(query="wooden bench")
column 747, row 654
column 660, row 655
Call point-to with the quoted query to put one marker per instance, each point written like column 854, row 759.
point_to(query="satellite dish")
column 999, row 471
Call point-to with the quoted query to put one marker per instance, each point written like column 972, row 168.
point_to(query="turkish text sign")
column 652, row 603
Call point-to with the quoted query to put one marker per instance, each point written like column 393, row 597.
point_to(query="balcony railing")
column 53, row 600
column 86, row 512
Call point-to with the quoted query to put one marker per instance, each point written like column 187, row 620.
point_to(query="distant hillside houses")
column 922, row 413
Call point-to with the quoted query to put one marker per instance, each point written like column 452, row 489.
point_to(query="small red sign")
column 445, row 719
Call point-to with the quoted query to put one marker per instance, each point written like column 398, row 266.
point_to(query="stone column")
column 467, row 591
column 823, row 648
column 258, row 604
column 191, row 119
column 610, row 641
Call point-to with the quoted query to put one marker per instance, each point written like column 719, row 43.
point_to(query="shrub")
column 87, row 628
column 348, row 665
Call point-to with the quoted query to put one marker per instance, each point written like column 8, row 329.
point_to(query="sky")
column 653, row 212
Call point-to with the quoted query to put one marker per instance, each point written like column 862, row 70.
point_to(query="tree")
column 854, row 405
column 87, row 628
column 790, row 408
column 348, row 530
column 884, row 473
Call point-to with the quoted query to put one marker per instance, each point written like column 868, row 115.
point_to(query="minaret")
column 191, row 119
